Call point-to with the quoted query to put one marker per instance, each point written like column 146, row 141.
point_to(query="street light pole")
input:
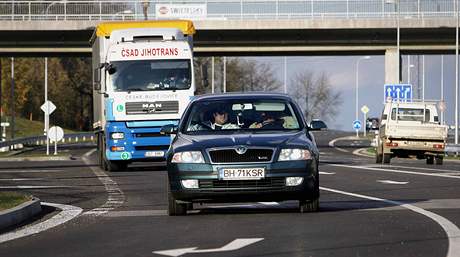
column 398, row 38
column 357, row 87
column 456, row 75
column 285, row 74
column 12, row 98
column 442, row 88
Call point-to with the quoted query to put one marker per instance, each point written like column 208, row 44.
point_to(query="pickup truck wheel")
column 429, row 160
column 439, row 160
column 386, row 158
column 378, row 158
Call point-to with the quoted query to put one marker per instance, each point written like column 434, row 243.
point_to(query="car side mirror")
column 318, row 125
column 168, row 129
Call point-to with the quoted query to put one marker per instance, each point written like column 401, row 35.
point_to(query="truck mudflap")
column 135, row 143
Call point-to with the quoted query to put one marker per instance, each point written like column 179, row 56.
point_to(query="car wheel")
column 386, row 158
column 439, row 160
column 429, row 160
column 309, row 205
column 175, row 208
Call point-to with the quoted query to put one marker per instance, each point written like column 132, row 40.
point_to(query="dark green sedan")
column 242, row 148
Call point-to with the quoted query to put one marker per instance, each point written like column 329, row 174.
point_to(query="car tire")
column 309, row 205
column 386, row 158
column 429, row 160
column 439, row 160
column 175, row 208
column 378, row 158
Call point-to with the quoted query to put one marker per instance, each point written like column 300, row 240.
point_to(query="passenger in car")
column 219, row 122
column 269, row 121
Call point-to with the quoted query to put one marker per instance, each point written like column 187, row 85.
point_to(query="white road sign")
column 48, row 107
column 365, row 109
column 55, row 134
column 4, row 124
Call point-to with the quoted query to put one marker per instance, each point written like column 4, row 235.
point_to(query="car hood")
column 198, row 142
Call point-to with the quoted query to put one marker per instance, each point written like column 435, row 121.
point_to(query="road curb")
column 19, row 213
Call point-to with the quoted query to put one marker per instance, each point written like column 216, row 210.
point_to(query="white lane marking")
column 452, row 231
column 68, row 212
column 393, row 182
column 28, row 171
column 395, row 171
column 33, row 187
column 332, row 142
column 326, row 173
column 20, row 179
column 269, row 203
column 138, row 213
column 115, row 199
column 410, row 167
column 232, row 246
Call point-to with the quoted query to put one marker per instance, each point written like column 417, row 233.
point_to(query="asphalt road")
column 404, row 209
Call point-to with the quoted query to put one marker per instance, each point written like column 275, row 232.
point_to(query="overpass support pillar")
column 391, row 66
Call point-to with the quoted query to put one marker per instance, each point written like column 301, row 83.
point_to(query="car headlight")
column 117, row 135
column 188, row 157
column 294, row 155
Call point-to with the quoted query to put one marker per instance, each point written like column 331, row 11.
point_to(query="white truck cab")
column 411, row 129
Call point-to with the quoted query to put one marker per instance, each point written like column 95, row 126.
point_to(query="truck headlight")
column 294, row 155
column 188, row 157
column 117, row 135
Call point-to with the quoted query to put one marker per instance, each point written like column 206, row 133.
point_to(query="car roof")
column 245, row 95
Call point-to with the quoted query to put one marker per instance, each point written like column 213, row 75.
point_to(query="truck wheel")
column 309, row 205
column 429, row 160
column 378, row 158
column 116, row 165
column 439, row 160
column 386, row 158
column 174, row 208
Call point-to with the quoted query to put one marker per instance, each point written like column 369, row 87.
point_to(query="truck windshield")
column 411, row 114
column 150, row 75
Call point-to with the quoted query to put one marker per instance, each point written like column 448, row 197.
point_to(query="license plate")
column 242, row 174
column 154, row 154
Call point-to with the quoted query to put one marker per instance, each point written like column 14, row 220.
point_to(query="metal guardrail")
column 227, row 9
column 41, row 140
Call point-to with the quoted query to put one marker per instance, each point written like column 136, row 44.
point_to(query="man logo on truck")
column 151, row 107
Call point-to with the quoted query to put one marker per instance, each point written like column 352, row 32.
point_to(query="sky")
column 341, row 71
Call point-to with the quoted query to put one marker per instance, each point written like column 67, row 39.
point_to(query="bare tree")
column 315, row 95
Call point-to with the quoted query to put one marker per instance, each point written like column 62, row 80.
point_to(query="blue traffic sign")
column 401, row 92
column 357, row 124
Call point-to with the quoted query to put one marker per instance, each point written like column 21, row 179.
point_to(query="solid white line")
column 28, row 171
column 32, row 187
column 68, row 212
column 20, row 179
column 415, row 168
column 115, row 199
column 452, row 231
column 326, row 173
column 392, row 182
column 395, row 171
column 358, row 152
column 269, row 203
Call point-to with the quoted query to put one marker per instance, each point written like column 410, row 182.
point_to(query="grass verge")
column 11, row 199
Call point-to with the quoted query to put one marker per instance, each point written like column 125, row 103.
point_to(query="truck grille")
column 152, row 107
column 151, row 147
column 231, row 156
column 272, row 183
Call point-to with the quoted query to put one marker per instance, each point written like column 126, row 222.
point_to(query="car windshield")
column 150, row 75
column 237, row 115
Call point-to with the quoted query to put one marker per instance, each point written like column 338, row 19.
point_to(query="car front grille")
column 231, row 156
column 215, row 184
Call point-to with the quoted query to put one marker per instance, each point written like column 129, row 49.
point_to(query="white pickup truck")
column 411, row 129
